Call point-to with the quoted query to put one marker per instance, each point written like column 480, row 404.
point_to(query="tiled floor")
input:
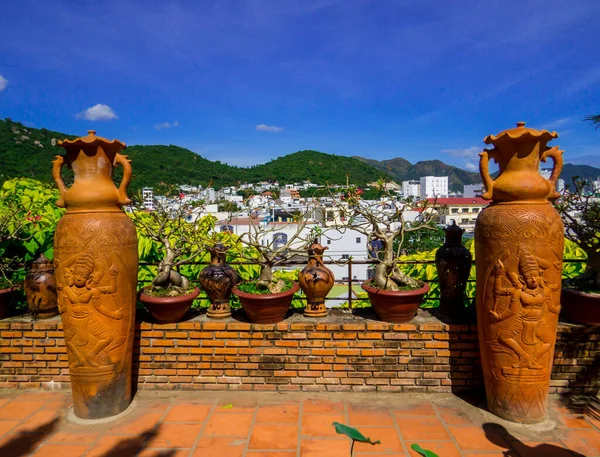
column 178, row 424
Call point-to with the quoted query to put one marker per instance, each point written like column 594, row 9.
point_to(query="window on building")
column 454, row 210
column 465, row 210
column 464, row 221
column 358, row 240
column 345, row 256
column 328, row 241
column 475, row 210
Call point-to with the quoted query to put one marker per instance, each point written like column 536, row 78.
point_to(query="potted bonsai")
column 168, row 230
column 579, row 208
column 269, row 244
column 395, row 295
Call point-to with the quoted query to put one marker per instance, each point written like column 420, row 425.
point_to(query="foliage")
column 594, row 119
column 250, row 287
column 353, row 434
column 422, row 240
column 579, row 207
column 424, row 452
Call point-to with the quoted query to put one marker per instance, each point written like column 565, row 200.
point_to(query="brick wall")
column 337, row 353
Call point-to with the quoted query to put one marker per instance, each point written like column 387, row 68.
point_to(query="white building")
column 473, row 190
column 434, row 187
column 411, row 189
column 341, row 246
column 148, row 198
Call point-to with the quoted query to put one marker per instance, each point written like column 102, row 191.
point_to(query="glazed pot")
column 168, row 310
column 266, row 308
column 518, row 250
column 40, row 289
column 395, row 306
column 96, row 267
column 580, row 307
column 315, row 280
column 217, row 280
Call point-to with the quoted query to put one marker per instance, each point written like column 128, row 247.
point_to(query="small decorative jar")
column 217, row 280
column 40, row 289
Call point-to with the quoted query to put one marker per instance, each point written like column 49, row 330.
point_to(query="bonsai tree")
column 270, row 244
column 579, row 208
column 384, row 225
column 176, row 237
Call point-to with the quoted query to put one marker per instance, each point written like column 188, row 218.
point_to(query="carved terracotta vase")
column 40, row 289
column 518, row 252
column 453, row 262
column 316, row 280
column 96, row 264
column 217, row 280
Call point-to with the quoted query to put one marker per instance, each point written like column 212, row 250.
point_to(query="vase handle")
column 127, row 173
column 57, row 165
column 556, row 155
column 484, row 171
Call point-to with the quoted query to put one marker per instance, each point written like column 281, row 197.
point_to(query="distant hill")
column 402, row 170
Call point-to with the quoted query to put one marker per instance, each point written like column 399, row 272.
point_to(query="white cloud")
column 471, row 166
column 166, row 125
column 558, row 123
column 463, row 152
column 3, row 83
column 268, row 128
column 98, row 112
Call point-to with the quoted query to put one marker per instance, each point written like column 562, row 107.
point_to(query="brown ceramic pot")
column 315, row 280
column 266, row 308
column 519, row 251
column 40, row 289
column 96, row 264
column 395, row 306
column 217, row 280
column 580, row 307
column 453, row 263
column 168, row 310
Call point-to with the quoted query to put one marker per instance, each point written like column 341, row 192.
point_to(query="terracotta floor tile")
column 57, row 405
column 473, row 438
column 39, row 396
column 321, row 424
column 4, row 400
column 62, row 450
column 221, row 424
column 163, row 452
column 116, row 446
column 422, row 408
column 176, row 435
column 390, row 442
column 188, row 412
column 453, row 416
column 274, row 437
column 18, row 409
column 318, row 406
column 140, row 423
column 586, row 442
column 326, row 447
column 74, row 437
column 6, row 426
column 236, row 407
column 38, row 419
column 220, row 447
column 157, row 405
column 271, row 454
column 278, row 413
column 421, row 428
column 363, row 416
column 487, row 454
column 540, row 449
column 574, row 421
column 441, row 448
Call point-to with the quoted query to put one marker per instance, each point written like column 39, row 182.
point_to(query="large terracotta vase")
column 40, row 289
column 453, row 263
column 96, row 263
column 217, row 280
column 518, row 252
column 316, row 280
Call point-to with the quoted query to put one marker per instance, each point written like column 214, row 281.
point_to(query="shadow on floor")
column 134, row 445
column 498, row 435
column 23, row 443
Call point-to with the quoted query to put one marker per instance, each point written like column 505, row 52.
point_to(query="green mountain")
column 401, row 169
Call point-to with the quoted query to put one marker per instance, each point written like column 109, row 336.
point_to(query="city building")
column 473, row 190
column 411, row 189
column 434, row 187
column 148, row 198
column 463, row 211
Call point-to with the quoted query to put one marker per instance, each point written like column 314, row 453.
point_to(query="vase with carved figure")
column 316, row 280
column 518, row 253
column 40, row 289
column 217, row 280
column 96, row 264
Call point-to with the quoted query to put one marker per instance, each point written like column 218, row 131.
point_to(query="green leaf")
column 353, row 433
column 424, row 452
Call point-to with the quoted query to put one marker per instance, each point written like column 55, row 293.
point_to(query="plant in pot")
column 169, row 233
column 269, row 244
column 394, row 295
column 579, row 208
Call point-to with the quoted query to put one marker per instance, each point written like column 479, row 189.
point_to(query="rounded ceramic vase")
column 168, row 310
column 266, row 308
column 395, row 306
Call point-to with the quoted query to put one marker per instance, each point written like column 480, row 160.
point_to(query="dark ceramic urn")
column 453, row 262
column 40, row 289
column 217, row 280
column 316, row 280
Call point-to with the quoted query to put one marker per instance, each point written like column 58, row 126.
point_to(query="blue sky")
column 245, row 81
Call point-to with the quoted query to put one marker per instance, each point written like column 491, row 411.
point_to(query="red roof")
column 458, row 201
